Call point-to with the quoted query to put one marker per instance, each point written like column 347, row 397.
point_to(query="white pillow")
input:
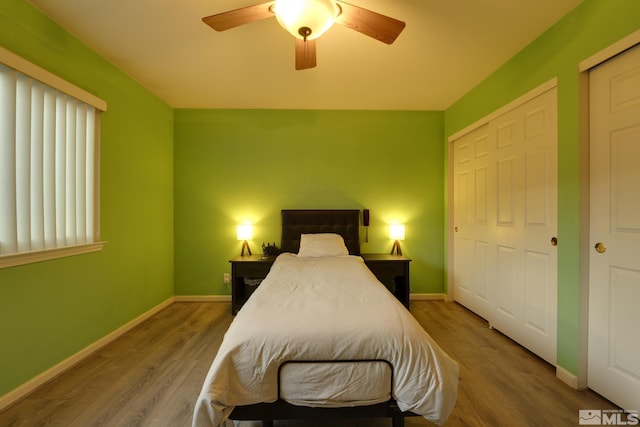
column 322, row 245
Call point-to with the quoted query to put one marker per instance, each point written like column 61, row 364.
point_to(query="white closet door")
column 525, row 307
column 473, row 227
column 505, row 219
column 614, row 269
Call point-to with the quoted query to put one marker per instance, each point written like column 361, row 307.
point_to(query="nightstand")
column 393, row 272
column 246, row 274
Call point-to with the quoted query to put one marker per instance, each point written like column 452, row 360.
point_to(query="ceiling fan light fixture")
column 306, row 19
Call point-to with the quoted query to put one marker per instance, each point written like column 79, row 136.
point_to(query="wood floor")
column 153, row 374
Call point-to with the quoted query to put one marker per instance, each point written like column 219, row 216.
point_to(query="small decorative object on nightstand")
column 270, row 249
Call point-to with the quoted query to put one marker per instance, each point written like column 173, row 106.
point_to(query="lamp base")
column 245, row 244
column 395, row 249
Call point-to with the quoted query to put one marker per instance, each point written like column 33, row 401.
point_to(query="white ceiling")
column 447, row 47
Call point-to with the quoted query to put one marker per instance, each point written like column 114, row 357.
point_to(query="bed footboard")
column 283, row 410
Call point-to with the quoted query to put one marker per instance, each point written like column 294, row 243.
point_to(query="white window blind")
column 48, row 170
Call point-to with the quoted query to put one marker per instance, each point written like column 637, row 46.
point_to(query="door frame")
column 584, row 68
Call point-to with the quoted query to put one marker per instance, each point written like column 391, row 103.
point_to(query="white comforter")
column 320, row 309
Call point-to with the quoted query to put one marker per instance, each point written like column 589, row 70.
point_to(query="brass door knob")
column 554, row 241
column 601, row 247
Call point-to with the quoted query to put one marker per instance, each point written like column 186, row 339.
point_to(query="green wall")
column 235, row 166
column 232, row 166
column 53, row 309
column 591, row 27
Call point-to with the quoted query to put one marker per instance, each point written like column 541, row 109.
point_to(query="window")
column 49, row 167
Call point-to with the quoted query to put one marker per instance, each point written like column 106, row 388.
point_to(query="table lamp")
column 396, row 232
column 245, row 232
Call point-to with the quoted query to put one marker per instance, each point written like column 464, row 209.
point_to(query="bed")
column 321, row 337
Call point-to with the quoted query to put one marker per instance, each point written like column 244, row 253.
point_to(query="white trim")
column 567, row 377
column 450, row 227
column 12, row 260
column 32, row 70
column 203, row 298
column 428, row 297
column 544, row 87
column 584, row 245
column 610, row 51
column 73, row 360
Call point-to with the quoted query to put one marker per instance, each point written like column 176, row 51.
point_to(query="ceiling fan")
column 307, row 20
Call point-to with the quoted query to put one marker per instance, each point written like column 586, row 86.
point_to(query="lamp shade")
column 306, row 19
column 245, row 232
column 396, row 232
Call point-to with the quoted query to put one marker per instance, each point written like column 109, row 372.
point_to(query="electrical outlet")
column 226, row 278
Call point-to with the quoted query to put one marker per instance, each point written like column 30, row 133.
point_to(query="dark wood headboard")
column 306, row 221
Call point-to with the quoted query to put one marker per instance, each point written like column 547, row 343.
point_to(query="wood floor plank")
column 153, row 374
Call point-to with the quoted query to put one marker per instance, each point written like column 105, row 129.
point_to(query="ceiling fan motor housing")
column 305, row 32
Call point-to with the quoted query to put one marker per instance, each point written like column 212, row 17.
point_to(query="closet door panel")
column 506, row 173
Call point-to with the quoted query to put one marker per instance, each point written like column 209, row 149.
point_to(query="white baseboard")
column 203, row 298
column 428, row 297
column 73, row 360
column 567, row 377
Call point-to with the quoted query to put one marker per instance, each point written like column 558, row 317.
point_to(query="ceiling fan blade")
column 305, row 54
column 372, row 24
column 234, row 18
